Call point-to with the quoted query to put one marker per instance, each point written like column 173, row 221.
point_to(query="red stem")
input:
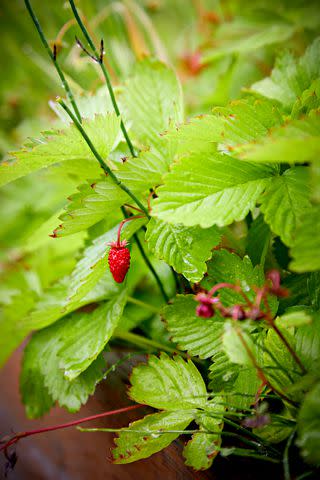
column 29, row 433
column 123, row 222
column 236, row 288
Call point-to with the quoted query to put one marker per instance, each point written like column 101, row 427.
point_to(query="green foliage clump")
column 223, row 198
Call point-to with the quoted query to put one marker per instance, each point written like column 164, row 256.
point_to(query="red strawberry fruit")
column 119, row 260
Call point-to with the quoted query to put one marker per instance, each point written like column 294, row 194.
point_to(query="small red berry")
column 204, row 311
column 119, row 260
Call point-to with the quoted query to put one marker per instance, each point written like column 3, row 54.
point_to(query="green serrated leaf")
column 86, row 337
column 168, row 383
column 201, row 450
column 236, row 342
column 290, row 77
column 229, row 267
column 43, row 381
column 210, row 189
column 309, row 426
column 198, row 336
column 240, row 122
column 147, row 436
column 297, row 141
column 306, row 244
column 92, row 203
column 65, row 145
column 285, row 201
column 185, row 249
column 295, row 319
column 151, row 99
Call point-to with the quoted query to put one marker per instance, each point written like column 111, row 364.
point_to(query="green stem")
column 136, row 339
column 53, row 59
column 105, row 73
column 143, row 304
column 150, row 266
column 285, row 461
column 243, row 452
column 103, row 165
column 257, row 439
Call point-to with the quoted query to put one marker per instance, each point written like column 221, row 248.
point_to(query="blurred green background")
column 217, row 47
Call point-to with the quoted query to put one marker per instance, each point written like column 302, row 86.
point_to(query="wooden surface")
column 72, row 455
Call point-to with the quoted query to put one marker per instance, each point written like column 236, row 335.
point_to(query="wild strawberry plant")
column 209, row 223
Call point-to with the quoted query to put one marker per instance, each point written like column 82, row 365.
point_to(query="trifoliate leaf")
column 168, row 383
column 148, row 435
column 185, row 249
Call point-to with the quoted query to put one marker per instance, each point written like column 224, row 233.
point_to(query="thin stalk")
column 53, row 59
column 143, row 341
column 242, row 452
column 15, row 439
column 128, row 219
column 259, row 369
column 99, row 58
column 136, row 339
column 150, row 266
column 257, row 439
column 164, row 432
column 271, row 322
column 135, row 301
column 288, row 347
column 176, row 279
column 285, row 461
column 103, row 165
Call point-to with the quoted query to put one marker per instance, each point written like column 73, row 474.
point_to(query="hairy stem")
column 53, row 59
column 99, row 59
column 102, row 163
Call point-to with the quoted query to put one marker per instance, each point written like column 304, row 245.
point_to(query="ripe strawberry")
column 119, row 260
